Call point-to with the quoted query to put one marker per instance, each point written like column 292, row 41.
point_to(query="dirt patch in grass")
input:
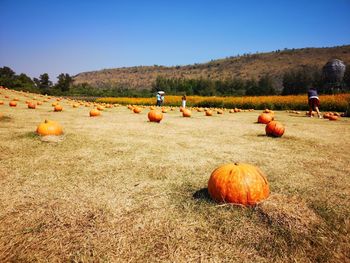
column 289, row 212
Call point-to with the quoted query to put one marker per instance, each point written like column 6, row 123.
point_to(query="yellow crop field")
column 338, row 102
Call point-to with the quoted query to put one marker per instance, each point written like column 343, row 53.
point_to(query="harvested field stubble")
column 119, row 188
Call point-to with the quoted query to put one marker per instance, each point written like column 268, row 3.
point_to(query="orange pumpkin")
column 31, row 105
column 208, row 113
column 274, row 129
column 137, row 110
column 49, row 128
column 220, row 112
column 333, row 117
column 13, row 103
column 186, row 113
column 95, row 113
column 265, row 118
column 58, row 108
column 238, row 183
column 1, row 102
column 155, row 116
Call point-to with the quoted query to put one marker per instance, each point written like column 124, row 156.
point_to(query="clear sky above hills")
column 75, row 36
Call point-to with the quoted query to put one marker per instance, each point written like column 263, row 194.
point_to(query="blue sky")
column 75, row 36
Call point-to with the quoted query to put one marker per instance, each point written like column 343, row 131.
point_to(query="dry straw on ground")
column 120, row 189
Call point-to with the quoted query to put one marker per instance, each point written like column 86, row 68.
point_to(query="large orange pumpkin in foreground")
column 238, row 183
column 49, row 128
column 274, row 129
column 265, row 118
column 155, row 116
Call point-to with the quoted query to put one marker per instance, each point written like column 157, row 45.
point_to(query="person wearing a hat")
column 159, row 99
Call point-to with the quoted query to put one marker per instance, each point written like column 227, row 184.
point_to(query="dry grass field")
column 117, row 188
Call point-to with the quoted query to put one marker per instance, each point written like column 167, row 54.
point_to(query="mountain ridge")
column 245, row 66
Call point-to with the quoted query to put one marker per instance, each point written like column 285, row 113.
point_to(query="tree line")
column 292, row 82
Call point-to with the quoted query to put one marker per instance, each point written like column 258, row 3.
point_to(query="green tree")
column 64, row 82
column 7, row 77
column 346, row 78
column 44, row 82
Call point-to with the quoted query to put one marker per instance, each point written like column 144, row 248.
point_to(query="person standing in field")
column 314, row 102
column 159, row 99
column 162, row 99
column 184, row 101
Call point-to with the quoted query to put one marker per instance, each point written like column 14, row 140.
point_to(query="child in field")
column 184, row 101
column 314, row 102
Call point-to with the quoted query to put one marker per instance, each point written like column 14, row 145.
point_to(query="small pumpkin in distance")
column 208, row 113
column 95, row 113
column 155, row 116
column 31, row 105
column 58, row 108
column 13, row 103
column 274, row 129
column 186, row 113
column 333, row 117
column 1, row 102
column 265, row 118
column 238, row 183
column 137, row 110
column 49, row 128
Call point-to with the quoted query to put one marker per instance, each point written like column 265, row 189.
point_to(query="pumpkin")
column 58, row 108
column 208, row 113
column 137, row 110
column 265, row 118
column 186, row 113
column 155, row 116
column 333, row 117
column 54, row 104
column 13, row 103
column 95, row 113
column 100, row 108
column 274, row 129
column 49, row 128
column 231, row 111
column 1, row 102
column 16, row 99
column 220, row 112
column 238, row 183
column 75, row 105
column 31, row 105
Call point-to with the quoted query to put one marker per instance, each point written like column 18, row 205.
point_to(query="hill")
column 246, row 66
